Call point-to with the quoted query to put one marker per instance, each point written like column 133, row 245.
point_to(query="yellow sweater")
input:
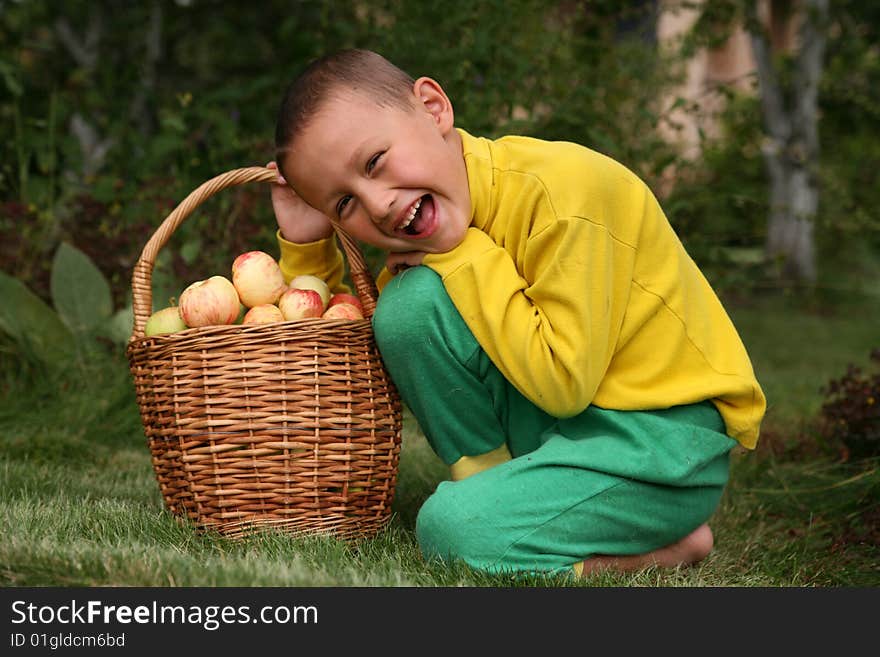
column 574, row 283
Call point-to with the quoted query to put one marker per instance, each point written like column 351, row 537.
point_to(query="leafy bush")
column 111, row 113
column 171, row 99
column 36, row 337
column 851, row 412
column 719, row 204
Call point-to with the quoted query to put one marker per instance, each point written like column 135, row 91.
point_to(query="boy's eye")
column 340, row 207
column 373, row 161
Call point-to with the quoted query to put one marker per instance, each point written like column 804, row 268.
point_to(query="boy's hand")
column 397, row 262
column 299, row 222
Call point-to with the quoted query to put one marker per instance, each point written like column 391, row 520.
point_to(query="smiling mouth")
column 414, row 223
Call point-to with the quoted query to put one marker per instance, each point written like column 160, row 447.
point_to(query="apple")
column 164, row 321
column 265, row 313
column 343, row 310
column 309, row 282
column 257, row 278
column 298, row 303
column 344, row 297
column 209, row 302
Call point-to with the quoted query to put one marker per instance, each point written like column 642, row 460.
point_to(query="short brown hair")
column 361, row 71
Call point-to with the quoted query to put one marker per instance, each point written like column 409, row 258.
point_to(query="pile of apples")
column 257, row 294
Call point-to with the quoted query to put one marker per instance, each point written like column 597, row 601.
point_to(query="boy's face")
column 392, row 178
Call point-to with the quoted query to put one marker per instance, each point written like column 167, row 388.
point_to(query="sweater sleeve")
column 321, row 258
column 547, row 329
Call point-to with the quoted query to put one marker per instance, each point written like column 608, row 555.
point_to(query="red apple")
column 209, row 302
column 257, row 278
column 163, row 321
column 344, row 297
column 309, row 282
column 298, row 303
column 343, row 310
column 265, row 313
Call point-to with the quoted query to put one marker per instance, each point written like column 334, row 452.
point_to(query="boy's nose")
column 377, row 203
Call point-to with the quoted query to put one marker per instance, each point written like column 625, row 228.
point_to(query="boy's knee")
column 407, row 309
column 452, row 527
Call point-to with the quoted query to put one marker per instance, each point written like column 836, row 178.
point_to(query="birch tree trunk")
column 791, row 149
column 85, row 49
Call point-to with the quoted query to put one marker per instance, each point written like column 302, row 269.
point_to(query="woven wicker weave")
column 292, row 425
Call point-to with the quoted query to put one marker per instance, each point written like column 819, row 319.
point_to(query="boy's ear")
column 430, row 95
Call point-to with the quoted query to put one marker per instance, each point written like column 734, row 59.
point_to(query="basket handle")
column 142, row 277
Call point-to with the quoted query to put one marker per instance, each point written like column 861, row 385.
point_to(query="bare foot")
column 691, row 549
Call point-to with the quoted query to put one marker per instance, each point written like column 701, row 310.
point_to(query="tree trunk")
column 139, row 110
column 85, row 49
column 791, row 148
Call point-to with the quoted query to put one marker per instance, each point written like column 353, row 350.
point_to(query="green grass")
column 80, row 506
column 795, row 350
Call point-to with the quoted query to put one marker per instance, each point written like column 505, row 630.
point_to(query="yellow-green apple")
column 299, row 303
column 257, row 278
column 343, row 311
column 241, row 312
column 163, row 321
column 344, row 297
column 309, row 282
column 265, row 313
column 209, row 302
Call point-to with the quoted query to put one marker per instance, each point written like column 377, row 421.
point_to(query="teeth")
column 412, row 214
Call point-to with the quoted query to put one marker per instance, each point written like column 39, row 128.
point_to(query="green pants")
column 602, row 482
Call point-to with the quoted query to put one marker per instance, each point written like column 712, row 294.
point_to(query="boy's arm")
column 306, row 241
column 551, row 338
column 298, row 222
column 321, row 258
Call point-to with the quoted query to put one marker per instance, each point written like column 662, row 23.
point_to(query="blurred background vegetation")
column 111, row 113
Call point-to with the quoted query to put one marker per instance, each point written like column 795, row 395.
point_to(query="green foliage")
column 177, row 105
column 849, row 222
column 81, row 295
column 808, row 522
column 795, row 349
column 31, row 333
column 178, row 114
column 720, row 203
column 732, row 179
column 851, row 86
column 80, row 292
column 36, row 338
column 610, row 95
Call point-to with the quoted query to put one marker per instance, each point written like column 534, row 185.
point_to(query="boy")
column 559, row 349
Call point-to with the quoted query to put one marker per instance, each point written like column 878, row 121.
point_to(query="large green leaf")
column 119, row 328
column 80, row 292
column 25, row 317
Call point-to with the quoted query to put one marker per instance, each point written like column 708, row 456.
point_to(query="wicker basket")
column 293, row 425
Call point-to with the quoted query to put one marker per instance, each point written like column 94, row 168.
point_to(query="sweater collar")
column 478, row 158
